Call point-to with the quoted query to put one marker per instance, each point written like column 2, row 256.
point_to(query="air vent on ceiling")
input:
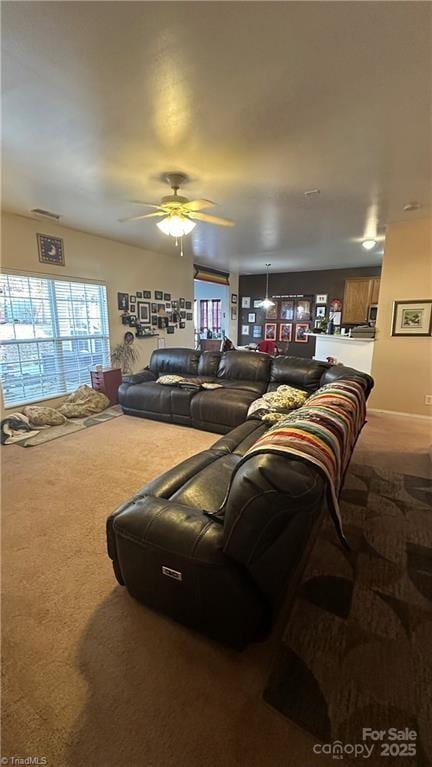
column 40, row 213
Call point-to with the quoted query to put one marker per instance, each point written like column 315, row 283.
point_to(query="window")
column 51, row 333
column 210, row 315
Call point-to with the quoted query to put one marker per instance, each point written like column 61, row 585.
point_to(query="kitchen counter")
column 352, row 352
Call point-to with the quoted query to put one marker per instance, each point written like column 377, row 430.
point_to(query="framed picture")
column 182, row 324
column 245, row 302
column 188, row 306
column 161, row 307
column 174, row 304
column 162, row 322
column 143, row 311
column 146, row 294
column 132, row 308
column 412, row 318
column 132, row 319
column 252, row 317
column 168, row 305
column 257, row 303
column 257, row 331
column 139, row 294
column 233, row 312
column 321, row 298
column 272, row 311
column 132, row 299
column 302, row 311
column 233, row 298
column 182, row 303
column 158, row 295
column 189, row 316
column 285, row 331
column 123, row 302
column 154, row 308
column 301, row 329
column 287, row 310
column 320, row 312
column 154, row 319
column 50, row 250
column 182, row 314
column 245, row 330
column 167, row 296
column 170, row 328
column 270, row 331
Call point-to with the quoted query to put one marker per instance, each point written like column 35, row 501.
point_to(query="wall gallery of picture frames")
column 148, row 317
column 289, row 320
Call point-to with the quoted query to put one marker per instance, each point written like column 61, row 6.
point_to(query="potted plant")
column 124, row 355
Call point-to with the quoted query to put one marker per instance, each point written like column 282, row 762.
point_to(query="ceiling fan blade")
column 211, row 219
column 198, row 204
column 147, row 204
column 139, row 218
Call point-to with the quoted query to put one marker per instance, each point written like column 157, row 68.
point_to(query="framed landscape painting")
column 412, row 318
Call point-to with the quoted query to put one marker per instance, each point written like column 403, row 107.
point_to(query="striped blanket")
column 322, row 432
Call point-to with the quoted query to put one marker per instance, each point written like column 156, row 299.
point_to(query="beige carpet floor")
column 91, row 677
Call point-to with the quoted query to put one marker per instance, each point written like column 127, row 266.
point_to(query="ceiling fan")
column 178, row 213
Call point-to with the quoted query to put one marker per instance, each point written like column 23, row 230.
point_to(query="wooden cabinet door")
column 357, row 298
column 375, row 290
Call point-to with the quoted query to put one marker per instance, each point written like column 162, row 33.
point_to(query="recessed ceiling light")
column 411, row 206
column 369, row 244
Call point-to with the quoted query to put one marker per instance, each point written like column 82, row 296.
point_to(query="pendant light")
column 267, row 303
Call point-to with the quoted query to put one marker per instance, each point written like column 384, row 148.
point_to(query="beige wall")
column 121, row 267
column 402, row 367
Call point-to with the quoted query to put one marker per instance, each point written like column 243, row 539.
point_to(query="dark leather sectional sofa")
column 211, row 547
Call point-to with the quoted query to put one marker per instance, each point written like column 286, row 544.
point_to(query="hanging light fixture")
column 267, row 303
column 176, row 226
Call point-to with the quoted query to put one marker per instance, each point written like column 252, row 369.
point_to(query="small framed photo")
column 285, row 331
column 189, row 316
column 170, row 328
column 167, row 296
column 182, row 303
column 182, row 324
column 257, row 331
column 301, row 330
column 132, row 299
column 272, row 312
column 270, row 331
column 321, row 298
column 252, row 317
column 158, row 295
column 233, row 312
column 132, row 308
column 320, row 312
column 161, row 307
column 233, row 298
column 168, row 305
column 139, row 294
column 245, row 330
column 302, row 310
column 412, row 318
column 154, row 319
column 257, row 303
column 154, row 308
column 174, row 304
column 123, row 302
column 132, row 319
column 287, row 310
column 245, row 302
column 188, row 306
column 182, row 314
column 143, row 312
column 51, row 250
column 146, row 294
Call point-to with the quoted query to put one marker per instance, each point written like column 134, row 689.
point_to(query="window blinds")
column 51, row 333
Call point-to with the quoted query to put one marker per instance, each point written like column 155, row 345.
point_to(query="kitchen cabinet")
column 359, row 294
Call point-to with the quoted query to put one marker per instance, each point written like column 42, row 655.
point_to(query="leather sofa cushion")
column 227, row 407
column 256, row 387
column 244, row 366
column 240, row 439
column 155, row 398
column 298, row 372
column 175, row 361
column 335, row 372
column 208, row 364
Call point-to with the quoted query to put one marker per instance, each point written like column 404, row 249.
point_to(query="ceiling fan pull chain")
column 181, row 247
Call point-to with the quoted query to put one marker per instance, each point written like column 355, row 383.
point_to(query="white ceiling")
column 257, row 102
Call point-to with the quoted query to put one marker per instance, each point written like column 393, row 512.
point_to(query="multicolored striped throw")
column 322, row 432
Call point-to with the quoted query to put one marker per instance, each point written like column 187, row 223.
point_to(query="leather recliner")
column 214, row 544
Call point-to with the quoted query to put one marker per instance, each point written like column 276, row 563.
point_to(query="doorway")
column 211, row 318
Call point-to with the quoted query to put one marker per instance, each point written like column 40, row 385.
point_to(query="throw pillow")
column 169, row 380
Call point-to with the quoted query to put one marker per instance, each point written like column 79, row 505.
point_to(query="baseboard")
column 403, row 415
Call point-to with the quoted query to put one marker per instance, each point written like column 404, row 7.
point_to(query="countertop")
column 341, row 338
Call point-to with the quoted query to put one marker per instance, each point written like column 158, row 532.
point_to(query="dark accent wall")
column 330, row 281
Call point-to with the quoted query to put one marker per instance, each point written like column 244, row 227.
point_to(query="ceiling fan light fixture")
column 176, row 226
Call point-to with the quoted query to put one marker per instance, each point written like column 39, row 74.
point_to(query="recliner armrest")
column 141, row 377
